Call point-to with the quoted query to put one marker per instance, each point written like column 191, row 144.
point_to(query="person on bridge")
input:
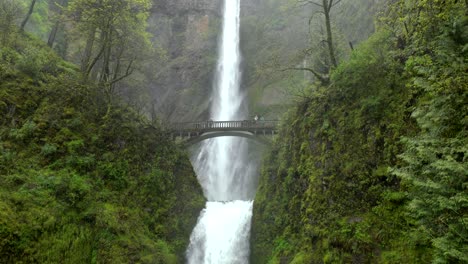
column 256, row 118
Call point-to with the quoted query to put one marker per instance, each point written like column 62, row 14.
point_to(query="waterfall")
column 221, row 235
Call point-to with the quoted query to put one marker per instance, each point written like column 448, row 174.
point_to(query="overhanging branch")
column 322, row 78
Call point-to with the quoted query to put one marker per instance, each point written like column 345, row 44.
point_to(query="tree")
column 115, row 36
column 53, row 33
column 28, row 15
column 434, row 169
column 326, row 7
column 10, row 10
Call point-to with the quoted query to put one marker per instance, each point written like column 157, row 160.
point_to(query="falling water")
column 221, row 235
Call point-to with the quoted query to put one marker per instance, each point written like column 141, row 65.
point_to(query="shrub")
column 35, row 62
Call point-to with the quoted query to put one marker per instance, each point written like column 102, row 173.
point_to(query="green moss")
column 80, row 183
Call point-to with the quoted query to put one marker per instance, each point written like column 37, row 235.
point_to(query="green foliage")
column 372, row 168
column 302, row 257
column 36, row 61
column 435, row 166
column 10, row 12
column 123, row 42
column 333, row 168
column 81, row 182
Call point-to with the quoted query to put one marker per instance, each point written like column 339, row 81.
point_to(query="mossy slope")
column 372, row 168
column 84, row 179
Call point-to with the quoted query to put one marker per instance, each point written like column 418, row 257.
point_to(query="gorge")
column 368, row 163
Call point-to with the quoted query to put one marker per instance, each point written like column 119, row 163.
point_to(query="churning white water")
column 221, row 235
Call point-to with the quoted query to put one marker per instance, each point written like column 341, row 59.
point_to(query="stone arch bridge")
column 193, row 132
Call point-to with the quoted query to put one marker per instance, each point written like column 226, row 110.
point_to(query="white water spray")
column 223, row 229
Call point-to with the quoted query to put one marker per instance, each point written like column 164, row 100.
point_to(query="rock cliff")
column 188, row 32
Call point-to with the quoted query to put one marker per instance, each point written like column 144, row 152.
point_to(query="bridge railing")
column 215, row 125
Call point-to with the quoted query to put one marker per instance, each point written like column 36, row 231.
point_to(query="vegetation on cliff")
column 279, row 38
column 83, row 177
column 372, row 168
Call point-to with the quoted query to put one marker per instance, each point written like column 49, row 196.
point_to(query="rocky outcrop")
column 187, row 30
column 175, row 7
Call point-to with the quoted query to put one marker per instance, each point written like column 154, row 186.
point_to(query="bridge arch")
column 193, row 132
column 244, row 134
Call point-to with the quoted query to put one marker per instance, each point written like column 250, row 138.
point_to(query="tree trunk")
column 88, row 51
column 105, row 74
column 63, row 50
column 53, row 32
column 331, row 49
column 31, row 9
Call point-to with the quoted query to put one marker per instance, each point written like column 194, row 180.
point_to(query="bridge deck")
column 196, row 128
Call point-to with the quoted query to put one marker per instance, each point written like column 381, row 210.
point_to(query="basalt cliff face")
column 187, row 31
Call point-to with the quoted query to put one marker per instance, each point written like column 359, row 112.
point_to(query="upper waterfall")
column 222, row 165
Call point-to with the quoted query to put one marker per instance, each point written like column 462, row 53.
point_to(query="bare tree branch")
column 337, row 2
column 305, row 2
column 95, row 60
column 128, row 72
column 323, row 79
